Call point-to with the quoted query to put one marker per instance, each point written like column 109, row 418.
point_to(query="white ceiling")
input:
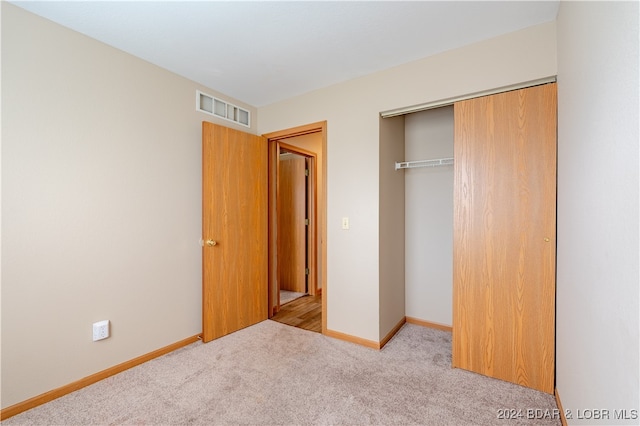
column 262, row 52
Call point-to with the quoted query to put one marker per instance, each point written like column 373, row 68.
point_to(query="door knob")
column 211, row 243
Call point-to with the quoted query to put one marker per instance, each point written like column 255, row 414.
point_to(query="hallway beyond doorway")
column 305, row 313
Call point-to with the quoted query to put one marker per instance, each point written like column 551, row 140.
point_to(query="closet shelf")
column 424, row 163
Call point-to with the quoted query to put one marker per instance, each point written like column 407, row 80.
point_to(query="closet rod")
column 424, row 163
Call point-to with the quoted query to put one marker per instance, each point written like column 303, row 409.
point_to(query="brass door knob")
column 211, row 243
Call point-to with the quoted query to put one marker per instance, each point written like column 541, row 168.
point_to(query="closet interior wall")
column 429, row 217
column 391, row 229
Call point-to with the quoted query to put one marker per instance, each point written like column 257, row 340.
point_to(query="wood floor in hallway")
column 305, row 313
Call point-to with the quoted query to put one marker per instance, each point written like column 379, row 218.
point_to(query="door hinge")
column 306, row 221
column 306, row 172
column 306, row 271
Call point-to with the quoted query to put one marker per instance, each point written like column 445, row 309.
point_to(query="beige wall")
column 392, row 236
column 352, row 113
column 429, row 217
column 598, row 273
column 101, row 205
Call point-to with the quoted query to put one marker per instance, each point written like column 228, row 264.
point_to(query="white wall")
column 597, row 279
column 352, row 113
column 101, row 205
column 429, row 217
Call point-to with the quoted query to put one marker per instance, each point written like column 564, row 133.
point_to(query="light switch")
column 345, row 223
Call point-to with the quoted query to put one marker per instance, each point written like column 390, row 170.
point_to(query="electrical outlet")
column 100, row 330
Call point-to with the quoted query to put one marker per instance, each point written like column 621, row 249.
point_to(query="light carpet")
column 275, row 374
column 287, row 296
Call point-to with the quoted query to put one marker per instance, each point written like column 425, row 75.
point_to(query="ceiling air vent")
column 221, row 109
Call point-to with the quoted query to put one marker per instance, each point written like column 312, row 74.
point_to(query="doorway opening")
column 297, row 230
column 294, row 226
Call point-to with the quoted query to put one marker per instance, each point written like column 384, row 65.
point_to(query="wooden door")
column 292, row 239
column 234, row 226
column 504, row 236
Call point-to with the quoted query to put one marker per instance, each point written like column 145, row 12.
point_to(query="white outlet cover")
column 100, row 330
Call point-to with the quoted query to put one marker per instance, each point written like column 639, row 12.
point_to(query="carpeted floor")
column 275, row 374
column 287, row 296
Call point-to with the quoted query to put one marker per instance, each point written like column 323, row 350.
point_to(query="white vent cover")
column 221, row 109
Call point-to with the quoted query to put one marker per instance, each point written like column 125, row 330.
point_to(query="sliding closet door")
column 504, row 236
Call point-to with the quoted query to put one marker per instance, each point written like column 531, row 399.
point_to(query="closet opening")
column 479, row 230
column 428, row 142
column 416, row 161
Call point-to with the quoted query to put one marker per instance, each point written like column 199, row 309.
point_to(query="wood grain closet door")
column 504, row 236
column 234, row 226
